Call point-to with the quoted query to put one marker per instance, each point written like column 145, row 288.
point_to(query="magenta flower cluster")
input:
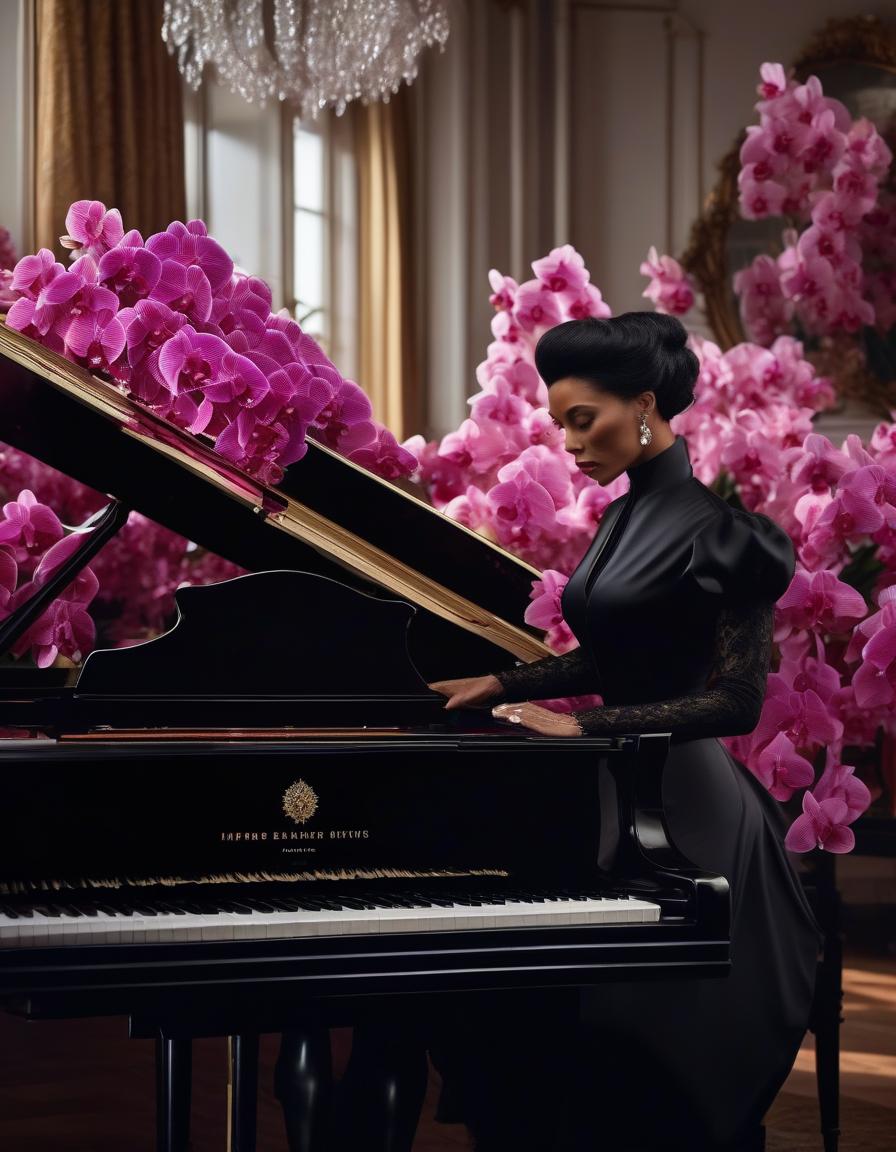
column 137, row 572
column 809, row 161
column 169, row 320
column 505, row 473
column 33, row 545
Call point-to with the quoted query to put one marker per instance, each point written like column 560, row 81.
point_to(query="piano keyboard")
column 164, row 921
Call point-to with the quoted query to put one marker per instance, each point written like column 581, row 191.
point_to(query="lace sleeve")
column 572, row 674
column 732, row 700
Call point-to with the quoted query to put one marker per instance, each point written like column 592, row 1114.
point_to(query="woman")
column 673, row 609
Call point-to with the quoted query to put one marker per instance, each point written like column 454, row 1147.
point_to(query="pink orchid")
column 32, row 273
column 190, row 246
column 471, row 509
column 384, row 456
column 210, row 383
column 482, row 448
column 838, row 782
column 868, row 496
column 860, row 725
column 589, row 302
column 444, row 480
column 822, row 825
column 774, row 81
column 818, row 600
column 348, row 407
column 781, row 769
column 91, row 229
column 65, row 629
column 184, row 289
column 244, row 305
column 131, row 272
column 535, row 307
column 802, row 716
column 259, row 449
column 96, row 342
column 29, row 524
column 544, row 466
column 503, row 291
column 544, row 609
column 500, row 404
column 765, row 310
column 522, row 510
column 505, row 328
column 544, row 612
column 867, row 148
column 874, row 682
column 670, row 288
column 823, row 145
column 562, row 271
column 541, row 429
column 760, row 198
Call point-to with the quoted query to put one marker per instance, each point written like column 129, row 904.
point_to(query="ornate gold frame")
column 862, row 39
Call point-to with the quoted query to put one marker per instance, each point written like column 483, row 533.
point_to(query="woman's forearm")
column 572, row 674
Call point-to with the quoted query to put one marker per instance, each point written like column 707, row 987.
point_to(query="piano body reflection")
column 265, row 817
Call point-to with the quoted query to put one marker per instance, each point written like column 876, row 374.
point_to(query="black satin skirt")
column 689, row 1064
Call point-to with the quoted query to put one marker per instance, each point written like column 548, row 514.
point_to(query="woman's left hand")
column 541, row 720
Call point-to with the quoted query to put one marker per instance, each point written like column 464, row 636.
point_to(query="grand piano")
column 264, row 820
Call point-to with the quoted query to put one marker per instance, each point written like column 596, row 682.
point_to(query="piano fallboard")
column 146, row 809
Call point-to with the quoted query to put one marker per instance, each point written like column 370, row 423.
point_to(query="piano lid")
column 327, row 511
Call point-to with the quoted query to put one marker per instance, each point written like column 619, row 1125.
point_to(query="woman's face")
column 602, row 431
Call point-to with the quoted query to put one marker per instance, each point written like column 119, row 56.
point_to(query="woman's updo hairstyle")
column 626, row 355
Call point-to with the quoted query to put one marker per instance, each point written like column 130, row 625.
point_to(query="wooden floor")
column 84, row 1087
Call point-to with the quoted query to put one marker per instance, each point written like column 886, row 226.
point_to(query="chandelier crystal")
column 313, row 53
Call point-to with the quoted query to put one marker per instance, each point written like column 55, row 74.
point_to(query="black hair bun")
column 671, row 331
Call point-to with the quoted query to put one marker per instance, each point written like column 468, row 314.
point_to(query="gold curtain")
column 109, row 115
column 388, row 362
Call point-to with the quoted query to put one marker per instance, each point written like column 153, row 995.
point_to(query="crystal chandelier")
column 314, row 53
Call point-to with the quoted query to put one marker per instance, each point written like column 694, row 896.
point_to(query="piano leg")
column 242, row 1083
column 174, row 1069
column 303, row 1082
column 382, row 1092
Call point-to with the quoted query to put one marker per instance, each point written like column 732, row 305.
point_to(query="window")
column 280, row 196
column 311, row 229
column 320, row 233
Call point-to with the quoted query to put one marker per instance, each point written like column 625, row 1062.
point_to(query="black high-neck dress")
column 673, row 608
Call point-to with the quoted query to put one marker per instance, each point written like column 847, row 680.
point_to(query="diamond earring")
column 645, row 434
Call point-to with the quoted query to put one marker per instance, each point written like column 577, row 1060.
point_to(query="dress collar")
column 670, row 466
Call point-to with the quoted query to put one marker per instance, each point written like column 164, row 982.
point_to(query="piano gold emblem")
column 300, row 802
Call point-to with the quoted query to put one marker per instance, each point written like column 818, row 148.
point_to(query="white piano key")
column 105, row 928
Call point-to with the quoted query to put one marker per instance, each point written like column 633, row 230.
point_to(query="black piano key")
column 86, row 909
column 71, row 911
column 10, row 912
column 47, row 910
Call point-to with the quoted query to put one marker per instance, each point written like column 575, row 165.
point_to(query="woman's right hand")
column 468, row 691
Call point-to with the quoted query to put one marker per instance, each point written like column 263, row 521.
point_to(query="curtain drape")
column 387, row 296
column 109, row 121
